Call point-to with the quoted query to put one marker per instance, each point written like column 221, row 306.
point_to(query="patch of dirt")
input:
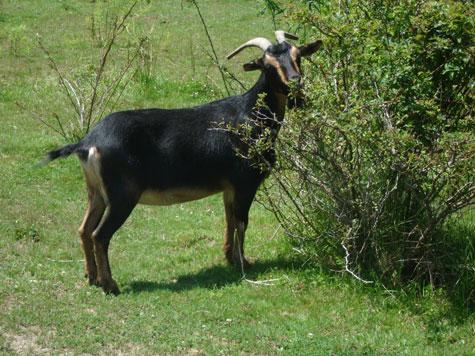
column 128, row 349
column 33, row 340
column 10, row 303
column 26, row 341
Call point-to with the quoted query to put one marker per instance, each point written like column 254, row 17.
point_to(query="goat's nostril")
column 295, row 79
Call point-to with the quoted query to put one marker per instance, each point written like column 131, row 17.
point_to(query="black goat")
column 163, row 157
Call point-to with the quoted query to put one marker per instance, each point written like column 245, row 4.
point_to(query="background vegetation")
column 376, row 176
column 179, row 296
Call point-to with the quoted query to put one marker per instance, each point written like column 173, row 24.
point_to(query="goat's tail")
column 60, row 152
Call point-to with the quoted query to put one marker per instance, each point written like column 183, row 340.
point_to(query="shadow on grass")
column 456, row 312
column 215, row 277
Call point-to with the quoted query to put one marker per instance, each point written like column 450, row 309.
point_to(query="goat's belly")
column 175, row 196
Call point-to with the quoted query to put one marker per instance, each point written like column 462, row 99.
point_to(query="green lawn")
column 178, row 294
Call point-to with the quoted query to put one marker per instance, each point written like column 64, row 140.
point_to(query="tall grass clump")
column 374, row 171
column 83, row 94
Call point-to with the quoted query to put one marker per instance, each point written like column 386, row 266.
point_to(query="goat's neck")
column 274, row 103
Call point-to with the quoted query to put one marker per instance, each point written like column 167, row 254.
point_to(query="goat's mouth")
column 295, row 95
column 296, row 100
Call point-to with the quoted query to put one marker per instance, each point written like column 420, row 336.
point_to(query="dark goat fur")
column 162, row 157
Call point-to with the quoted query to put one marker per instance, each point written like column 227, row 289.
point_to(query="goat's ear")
column 310, row 48
column 253, row 65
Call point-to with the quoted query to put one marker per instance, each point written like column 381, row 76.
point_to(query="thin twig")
column 80, row 106
column 58, row 73
column 347, row 263
column 110, row 92
column 61, row 128
column 117, row 29
column 212, row 46
column 40, row 119
column 226, row 71
column 265, row 282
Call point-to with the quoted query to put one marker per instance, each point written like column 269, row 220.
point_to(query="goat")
column 164, row 157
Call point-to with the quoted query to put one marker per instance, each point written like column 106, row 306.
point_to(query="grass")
column 178, row 295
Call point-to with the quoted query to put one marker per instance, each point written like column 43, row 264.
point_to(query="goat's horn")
column 282, row 35
column 261, row 42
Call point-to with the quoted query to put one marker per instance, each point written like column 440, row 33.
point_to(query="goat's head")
column 281, row 62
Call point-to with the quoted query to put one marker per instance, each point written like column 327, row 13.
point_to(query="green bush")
column 374, row 169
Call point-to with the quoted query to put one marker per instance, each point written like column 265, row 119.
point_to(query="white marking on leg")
column 92, row 169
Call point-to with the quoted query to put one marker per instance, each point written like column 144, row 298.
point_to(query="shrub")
column 383, row 156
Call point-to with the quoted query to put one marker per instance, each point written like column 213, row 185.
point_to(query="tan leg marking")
column 95, row 210
column 94, row 213
column 104, row 275
column 238, row 252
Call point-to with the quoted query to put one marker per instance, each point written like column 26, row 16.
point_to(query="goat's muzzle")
column 296, row 98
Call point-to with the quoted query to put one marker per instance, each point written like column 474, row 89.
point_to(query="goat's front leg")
column 230, row 230
column 238, row 246
column 237, row 210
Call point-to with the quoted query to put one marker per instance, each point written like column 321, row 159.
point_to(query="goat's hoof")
column 236, row 262
column 110, row 287
column 245, row 263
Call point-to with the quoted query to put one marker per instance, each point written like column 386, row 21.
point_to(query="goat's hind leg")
column 95, row 211
column 116, row 213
